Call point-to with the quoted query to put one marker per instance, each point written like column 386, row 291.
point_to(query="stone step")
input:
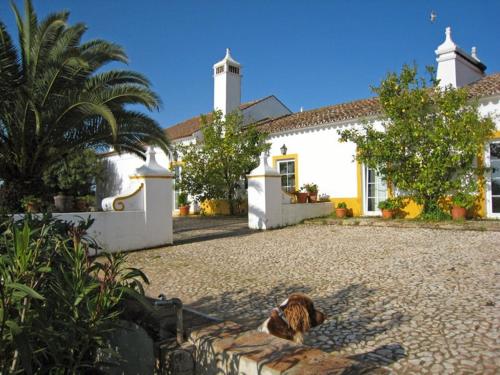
column 228, row 348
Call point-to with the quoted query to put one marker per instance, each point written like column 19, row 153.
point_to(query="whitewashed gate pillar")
column 264, row 196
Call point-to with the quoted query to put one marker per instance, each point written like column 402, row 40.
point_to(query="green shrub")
column 342, row 205
column 75, row 174
column 394, row 203
column 464, row 200
column 30, row 200
column 310, row 188
column 182, row 199
column 56, row 302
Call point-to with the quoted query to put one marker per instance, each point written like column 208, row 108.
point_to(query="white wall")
column 295, row 213
column 321, row 159
column 122, row 167
column 138, row 219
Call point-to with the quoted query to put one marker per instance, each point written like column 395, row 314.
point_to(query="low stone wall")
column 138, row 220
column 295, row 213
column 121, row 230
column 269, row 207
column 226, row 348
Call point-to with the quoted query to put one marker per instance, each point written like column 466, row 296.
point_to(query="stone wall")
column 226, row 348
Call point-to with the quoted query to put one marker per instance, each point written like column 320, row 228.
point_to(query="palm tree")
column 55, row 99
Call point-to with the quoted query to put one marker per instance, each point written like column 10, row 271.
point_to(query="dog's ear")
column 298, row 317
column 319, row 318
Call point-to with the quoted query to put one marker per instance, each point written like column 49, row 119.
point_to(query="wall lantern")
column 283, row 149
column 175, row 155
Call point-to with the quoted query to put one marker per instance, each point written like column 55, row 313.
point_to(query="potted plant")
column 461, row 202
column 390, row 206
column 324, row 198
column 83, row 203
column 183, row 202
column 73, row 175
column 31, row 204
column 312, row 192
column 301, row 196
column 341, row 210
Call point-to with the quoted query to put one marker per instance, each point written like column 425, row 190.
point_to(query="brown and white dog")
column 293, row 318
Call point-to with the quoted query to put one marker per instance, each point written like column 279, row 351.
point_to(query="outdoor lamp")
column 283, row 149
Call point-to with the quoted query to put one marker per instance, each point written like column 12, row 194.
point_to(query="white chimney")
column 227, row 84
column 455, row 66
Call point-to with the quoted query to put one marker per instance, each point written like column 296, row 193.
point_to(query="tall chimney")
column 456, row 67
column 227, row 84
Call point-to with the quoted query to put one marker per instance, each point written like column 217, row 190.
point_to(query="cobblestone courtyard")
column 414, row 300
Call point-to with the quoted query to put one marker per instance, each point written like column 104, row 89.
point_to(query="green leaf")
column 22, row 345
column 25, row 289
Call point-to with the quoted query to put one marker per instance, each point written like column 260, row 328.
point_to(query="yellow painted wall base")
column 214, row 207
column 354, row 207
column 411, row 210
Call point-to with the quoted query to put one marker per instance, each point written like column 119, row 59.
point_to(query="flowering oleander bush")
column 57, row 304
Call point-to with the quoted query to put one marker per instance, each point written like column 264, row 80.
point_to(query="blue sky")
column 308, row 53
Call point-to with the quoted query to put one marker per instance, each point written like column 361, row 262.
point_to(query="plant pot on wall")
column 81, row 204
column 301, row 197
column 63, row 203
column 183, row 210
column 458, row 213
column 313, row 198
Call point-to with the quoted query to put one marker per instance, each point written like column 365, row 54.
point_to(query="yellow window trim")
column 359, row 173
column 295, row 158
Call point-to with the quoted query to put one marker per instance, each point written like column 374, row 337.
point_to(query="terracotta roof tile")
column 324, row 115
column 487, row 86
column 185, row 128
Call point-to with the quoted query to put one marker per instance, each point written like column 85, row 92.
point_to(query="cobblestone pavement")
column 413, row 300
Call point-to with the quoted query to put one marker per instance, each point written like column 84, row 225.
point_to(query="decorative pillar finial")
column 448, row 32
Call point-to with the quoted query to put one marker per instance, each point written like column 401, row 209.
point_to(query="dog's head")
column 300, row 312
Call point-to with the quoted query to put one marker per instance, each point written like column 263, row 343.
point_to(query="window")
column 234, row 69
column 495, row 177
column 376, row 189
column 287, row 172
column 219, row 69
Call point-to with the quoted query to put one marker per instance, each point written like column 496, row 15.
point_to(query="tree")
column 215, row 168
column 75, row 174
column 429, row 141
column 55, row 99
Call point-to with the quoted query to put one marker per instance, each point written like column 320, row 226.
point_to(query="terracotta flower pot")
column 313, row 198
column 341, row 212
column 183, row 210
column 387, row 214
column 32, row 207
column 458, row 213
column 81, row 205
column 302, row 197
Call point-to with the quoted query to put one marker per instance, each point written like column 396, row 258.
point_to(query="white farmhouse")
column 305, row 145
